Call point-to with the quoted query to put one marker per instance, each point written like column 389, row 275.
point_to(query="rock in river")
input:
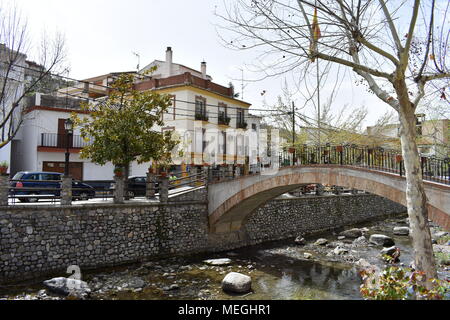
column 66, row 286
column 339, row 251
column 381, row 240
column 393, row 252
column 351, row 233
column 307, row 255
column 321, row 242
column 300, row 241
column 237, row 282
column 135, row 283
column 218, row 262
column 401, row 231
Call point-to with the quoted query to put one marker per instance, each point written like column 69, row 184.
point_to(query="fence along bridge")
column 230, row 202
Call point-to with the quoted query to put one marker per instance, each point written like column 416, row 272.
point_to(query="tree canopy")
column 126, row 126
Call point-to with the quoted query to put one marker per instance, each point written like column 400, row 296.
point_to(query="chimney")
column 169, row 60
column 203, row 68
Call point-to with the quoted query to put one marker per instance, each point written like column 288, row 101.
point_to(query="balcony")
column 241, row 125
column 201, row 116
column 53, row 102
column 224, row 120
column 59, row 141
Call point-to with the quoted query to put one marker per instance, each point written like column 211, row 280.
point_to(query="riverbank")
column 279, row 270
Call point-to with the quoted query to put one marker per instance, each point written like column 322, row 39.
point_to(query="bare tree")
column 20, row 77
column 397, row 48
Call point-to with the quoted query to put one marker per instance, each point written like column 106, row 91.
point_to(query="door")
column 62, row 136
column 75, row 168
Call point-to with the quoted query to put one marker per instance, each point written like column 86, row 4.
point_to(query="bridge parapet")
column 231, row 202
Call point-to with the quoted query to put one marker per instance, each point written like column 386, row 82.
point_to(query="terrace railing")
column 380, row 159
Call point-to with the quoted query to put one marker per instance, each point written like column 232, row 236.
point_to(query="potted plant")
column 118, row 171
column 4, row 168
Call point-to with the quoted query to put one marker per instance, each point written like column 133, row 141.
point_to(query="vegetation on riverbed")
column 396, row 283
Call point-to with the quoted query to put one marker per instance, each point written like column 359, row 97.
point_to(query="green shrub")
column 395, row 283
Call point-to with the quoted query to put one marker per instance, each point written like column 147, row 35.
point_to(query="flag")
column 316, row 35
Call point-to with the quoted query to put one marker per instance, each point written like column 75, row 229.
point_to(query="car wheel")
column 30, row 199
column 84, row 196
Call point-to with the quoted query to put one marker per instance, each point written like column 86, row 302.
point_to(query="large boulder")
column 237, row 283
column 401, row 231
column 381, row 240
column 218, row 262
column 67, row 286
column 352, row 233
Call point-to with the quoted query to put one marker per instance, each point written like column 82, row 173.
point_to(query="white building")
column 12, row 70
column 212, row 122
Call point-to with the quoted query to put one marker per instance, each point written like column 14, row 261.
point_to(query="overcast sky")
column 101, row 36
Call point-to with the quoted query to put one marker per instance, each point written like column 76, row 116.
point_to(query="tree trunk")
column 125, row 184
column 415, row 193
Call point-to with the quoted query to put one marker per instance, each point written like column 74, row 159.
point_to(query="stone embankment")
column 43, row 240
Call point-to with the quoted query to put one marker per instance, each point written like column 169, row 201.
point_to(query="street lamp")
column 68, row 126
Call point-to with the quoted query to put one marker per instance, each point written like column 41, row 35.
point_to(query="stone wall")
column 286, row 218
column 36, row 241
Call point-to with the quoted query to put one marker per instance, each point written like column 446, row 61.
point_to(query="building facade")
column 215, row 128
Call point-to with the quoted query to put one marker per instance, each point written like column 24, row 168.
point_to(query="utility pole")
column 318, row 101
column 293, row 132
column 139, row 60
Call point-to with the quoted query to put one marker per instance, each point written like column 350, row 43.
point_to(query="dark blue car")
column 46, row 184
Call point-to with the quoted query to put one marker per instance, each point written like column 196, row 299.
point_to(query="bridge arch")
column 231, row 202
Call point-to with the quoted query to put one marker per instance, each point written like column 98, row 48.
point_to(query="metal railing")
column 195, row 181
column 379, row 159
column 51, row 192
column 55, row 140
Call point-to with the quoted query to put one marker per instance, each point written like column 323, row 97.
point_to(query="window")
column 50, row 177
column 240, row 119
column 33, row 176
column 223, row 114
column 200, row 108
column 254, row 126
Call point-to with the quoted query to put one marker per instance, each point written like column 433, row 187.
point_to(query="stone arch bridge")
column 231, row 202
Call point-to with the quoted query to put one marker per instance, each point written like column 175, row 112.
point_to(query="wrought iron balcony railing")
column 201, row 116
column 241, row 125
column 55, row 140
column 224, row 120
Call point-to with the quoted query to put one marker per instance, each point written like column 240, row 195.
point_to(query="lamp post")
column 68, row 126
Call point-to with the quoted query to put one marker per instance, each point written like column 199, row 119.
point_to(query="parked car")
column 46, row 183
column 39, row 180
column 82, row 191
column 137, row 186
